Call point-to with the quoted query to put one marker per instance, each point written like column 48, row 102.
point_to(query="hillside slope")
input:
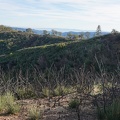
column 71, row 54
column 11, row 41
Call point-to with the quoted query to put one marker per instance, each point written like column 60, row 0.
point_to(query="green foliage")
column 11, row 41
column 74, row 103
column 112, row 111
column 5, row 28
column 47, row 92
column 29, row 30
column 25, row 93
column 7, row 104
column 28, row 50
column 61, row 45
column 34, row 113
column 62, row 90
column 58, row 91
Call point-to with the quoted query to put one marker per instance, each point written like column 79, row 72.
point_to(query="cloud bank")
column 79, row 14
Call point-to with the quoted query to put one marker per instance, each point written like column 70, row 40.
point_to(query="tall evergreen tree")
column 98, row 31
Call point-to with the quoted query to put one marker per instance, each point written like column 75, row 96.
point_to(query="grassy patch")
column 34, row 113
column 112, row 111
column 62, row 90
column 73, row 104
column 8, row 105
column 26, row 93
column 58, row 91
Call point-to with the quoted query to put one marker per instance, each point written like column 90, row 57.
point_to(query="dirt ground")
column 52, row 110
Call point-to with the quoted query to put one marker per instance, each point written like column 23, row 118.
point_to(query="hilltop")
column 23, row 50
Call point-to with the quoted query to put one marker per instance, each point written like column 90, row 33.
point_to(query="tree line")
column 70, row 35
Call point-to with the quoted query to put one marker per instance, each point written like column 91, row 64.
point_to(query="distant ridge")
column 64, row 31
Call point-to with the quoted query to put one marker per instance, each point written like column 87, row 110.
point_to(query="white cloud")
column 79, row 11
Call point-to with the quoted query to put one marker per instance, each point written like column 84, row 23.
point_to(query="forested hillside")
column 23, row 50
column 70, row 75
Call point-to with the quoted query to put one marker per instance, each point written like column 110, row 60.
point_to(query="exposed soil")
column 52, row 110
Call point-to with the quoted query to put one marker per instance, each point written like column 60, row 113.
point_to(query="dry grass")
column 8, row 104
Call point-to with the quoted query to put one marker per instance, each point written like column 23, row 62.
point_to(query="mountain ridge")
column 64, row 31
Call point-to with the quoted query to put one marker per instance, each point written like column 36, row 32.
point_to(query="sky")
column 68, row 14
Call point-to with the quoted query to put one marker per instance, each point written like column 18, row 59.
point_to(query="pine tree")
column 98, row 31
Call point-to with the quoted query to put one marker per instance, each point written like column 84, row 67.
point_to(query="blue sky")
column 70, row 14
